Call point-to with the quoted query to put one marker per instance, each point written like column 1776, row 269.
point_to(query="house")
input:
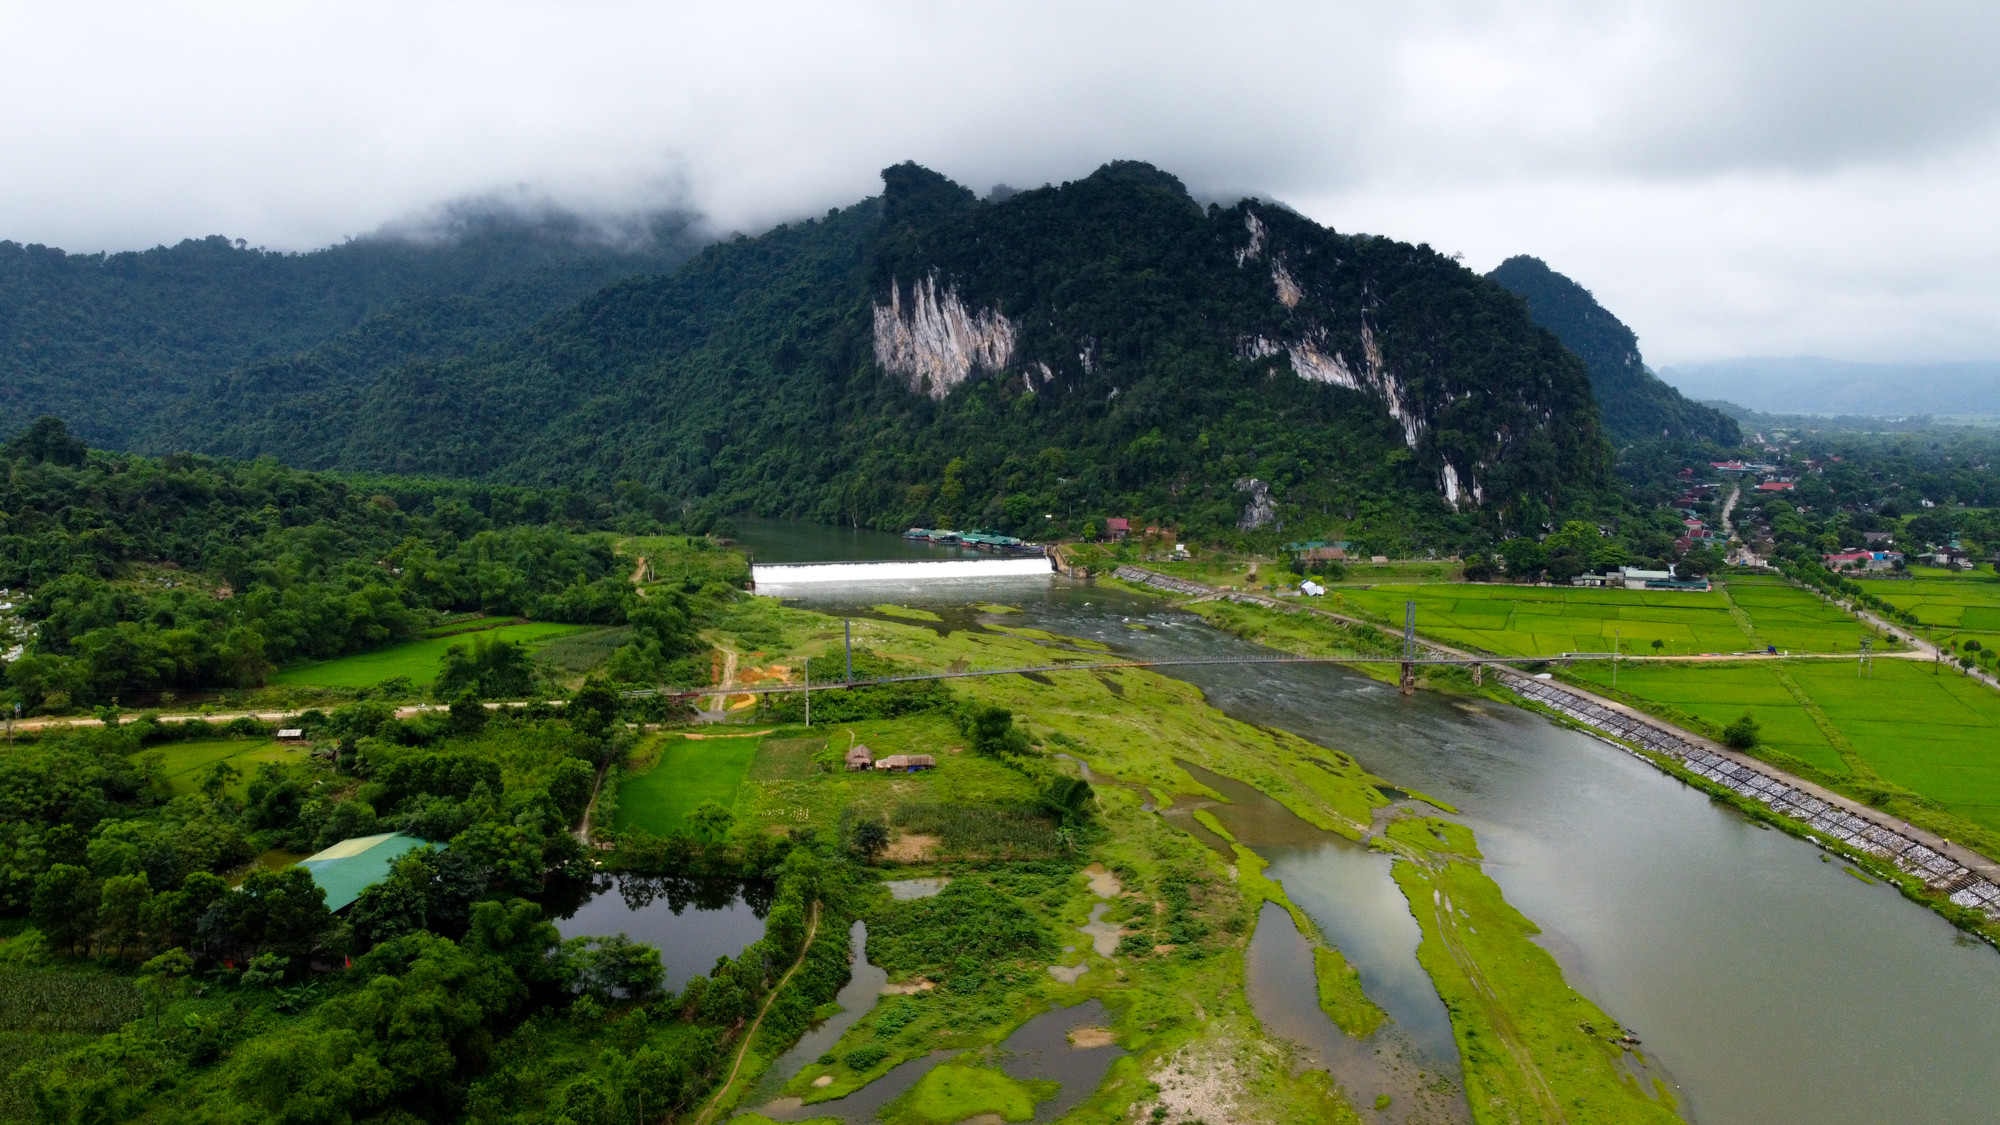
column 1590, row 580
column 1117, row 527
column 860, row 758
column 346, row 869
column 1951, row 557
column 1319, row 550
column 291, row 734
column 1862, row 560
column 907, row 763
column 1635, row 576
column 1311, row 589
column 1775, row 486
column 1874, row 537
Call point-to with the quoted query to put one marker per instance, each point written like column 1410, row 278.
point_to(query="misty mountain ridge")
column 1633, row 401
column 1028, row 361
column 1812, row 385
column 110, row 342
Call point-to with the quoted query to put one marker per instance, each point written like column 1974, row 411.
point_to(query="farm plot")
column 185, row 764
column 1933, row 733
column 686, row 772
column 1953, row 610
column 1792, row 619
column 416, row 661
column 1545, row 621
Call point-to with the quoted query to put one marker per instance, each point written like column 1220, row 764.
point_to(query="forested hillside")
column 110, row 342
column 129, row 576
column 1634, row 403
column 1105, row 347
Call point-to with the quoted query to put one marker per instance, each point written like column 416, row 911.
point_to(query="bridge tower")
column 1408, row 683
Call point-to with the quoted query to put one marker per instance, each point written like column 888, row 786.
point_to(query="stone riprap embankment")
column 1140, row 576
column 1843, row 824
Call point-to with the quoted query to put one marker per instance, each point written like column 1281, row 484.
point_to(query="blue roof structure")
column 346, row 869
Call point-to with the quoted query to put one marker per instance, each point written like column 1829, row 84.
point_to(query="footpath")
column 1967, row 878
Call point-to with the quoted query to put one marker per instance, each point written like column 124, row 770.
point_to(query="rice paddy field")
column 186, row 763
column 1744, row 613
column 680, row 774
column 414, row 660
column 1954, row 606
column 1930, row 731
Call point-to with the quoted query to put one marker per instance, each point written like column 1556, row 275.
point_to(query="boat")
column 917, row 533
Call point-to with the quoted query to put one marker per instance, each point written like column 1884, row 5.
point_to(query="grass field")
column 685, row 773
column 1934, row 735
column 1749, row 613
column 186, row 763
column 415, row 660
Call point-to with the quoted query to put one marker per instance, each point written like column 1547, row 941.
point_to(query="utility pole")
column 1866, row 661
column 809, row 693
column 1617, row 641
column 847, row 630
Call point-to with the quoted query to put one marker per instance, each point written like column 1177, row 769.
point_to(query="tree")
column 64, row 906
column 275, row 911
column 869, row 839
column 992, row 730
column 1742, row 734
column 710, row 822
column 468, row 715
column 48, row 441
column 122, row 909
column 163, row 980
column 216, row 782
column 593, row 708
column 1658, row 644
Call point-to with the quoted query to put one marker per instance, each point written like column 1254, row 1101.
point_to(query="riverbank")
column 1170, row 965
column 1960, row 884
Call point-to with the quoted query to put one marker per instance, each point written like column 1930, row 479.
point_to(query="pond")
column 690, row 921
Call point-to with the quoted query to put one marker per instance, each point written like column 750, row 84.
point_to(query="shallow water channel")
column 1774, row 988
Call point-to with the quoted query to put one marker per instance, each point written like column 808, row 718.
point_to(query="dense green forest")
column 1635, row 403
column 1151, row 370
column 129, row 576
column 460, row 1000
column 114, row 343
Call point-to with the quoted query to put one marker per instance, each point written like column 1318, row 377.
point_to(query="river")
column 1773, row 987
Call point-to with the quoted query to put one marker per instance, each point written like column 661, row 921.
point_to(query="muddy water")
column 855, row 999
column 1774, row 988
column 1041, row 1049
column 1346, row 890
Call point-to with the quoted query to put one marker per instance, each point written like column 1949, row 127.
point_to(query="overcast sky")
column 1731, row 178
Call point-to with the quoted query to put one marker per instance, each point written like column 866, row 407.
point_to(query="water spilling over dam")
column 766, row 576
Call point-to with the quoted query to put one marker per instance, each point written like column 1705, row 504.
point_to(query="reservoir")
column 1771, row 987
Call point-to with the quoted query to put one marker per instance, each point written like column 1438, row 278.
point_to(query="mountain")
column 1032, row 361
column 111, row 342
column 1634, row 403
column 1812, row 385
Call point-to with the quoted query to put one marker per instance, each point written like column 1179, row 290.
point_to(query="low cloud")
column 1731, row 178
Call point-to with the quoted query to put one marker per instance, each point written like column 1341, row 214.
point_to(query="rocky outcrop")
column 935, row 341
column 1261, row 511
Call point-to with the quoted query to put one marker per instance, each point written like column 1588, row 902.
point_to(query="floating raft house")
column 346, row 869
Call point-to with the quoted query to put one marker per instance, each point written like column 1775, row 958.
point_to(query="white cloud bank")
column 1729, row 177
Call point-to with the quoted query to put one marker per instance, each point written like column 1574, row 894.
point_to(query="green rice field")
column 687, row 772
column 186, row 763
column 1954, row 607
column 415, row 660
column 1933, row 733
column 1747, row 613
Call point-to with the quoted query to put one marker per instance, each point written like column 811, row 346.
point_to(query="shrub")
column 1741, row 734
column 863, row 1058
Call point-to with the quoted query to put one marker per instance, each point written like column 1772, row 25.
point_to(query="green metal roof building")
column 346, row 869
